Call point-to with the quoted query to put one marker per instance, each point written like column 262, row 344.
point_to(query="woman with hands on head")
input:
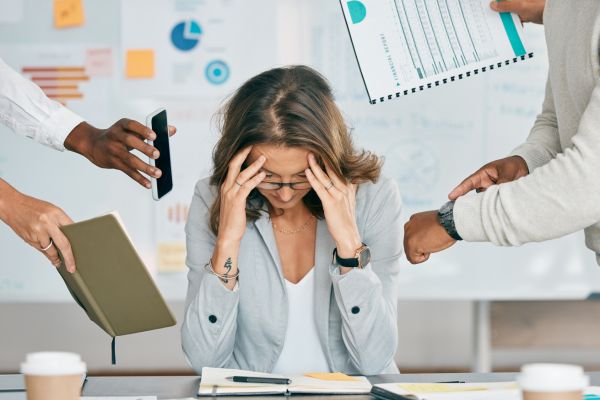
column 293, row 249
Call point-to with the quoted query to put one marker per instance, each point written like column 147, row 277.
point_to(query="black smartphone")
column 157, row 121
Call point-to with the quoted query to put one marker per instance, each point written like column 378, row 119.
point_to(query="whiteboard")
column 430, row 140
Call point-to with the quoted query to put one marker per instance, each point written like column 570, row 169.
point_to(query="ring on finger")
column 329, row 185
column 49, row 245
column 239, row 184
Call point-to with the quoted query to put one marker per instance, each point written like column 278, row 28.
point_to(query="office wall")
column 430, row 140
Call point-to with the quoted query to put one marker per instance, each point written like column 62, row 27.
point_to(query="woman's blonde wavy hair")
column 294, row 107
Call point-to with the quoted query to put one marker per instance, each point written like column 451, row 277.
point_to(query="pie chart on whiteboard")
column 186, row 35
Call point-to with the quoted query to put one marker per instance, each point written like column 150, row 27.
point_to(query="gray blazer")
column 245, row 328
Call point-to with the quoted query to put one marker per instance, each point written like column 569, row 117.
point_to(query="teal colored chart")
column 185, row 36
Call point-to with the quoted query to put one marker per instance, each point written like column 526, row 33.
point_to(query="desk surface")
column 173, row 387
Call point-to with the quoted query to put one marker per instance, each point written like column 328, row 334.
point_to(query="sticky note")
column 139, row 63
column 98, row 62
column 438, row 388
column 331, row 376
column 68, row 13
column 171, row 257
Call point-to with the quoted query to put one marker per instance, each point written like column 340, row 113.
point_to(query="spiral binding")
column 451, row 79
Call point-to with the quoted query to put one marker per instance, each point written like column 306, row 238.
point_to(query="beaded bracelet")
column 223, row 277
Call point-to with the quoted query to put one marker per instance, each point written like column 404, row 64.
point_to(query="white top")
column 302, row 351
column 25, row 109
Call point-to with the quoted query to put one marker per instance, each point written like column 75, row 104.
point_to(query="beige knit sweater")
column 561, row 195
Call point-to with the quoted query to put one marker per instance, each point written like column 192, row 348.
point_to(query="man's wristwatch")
column 446, row 219
column 361, row 258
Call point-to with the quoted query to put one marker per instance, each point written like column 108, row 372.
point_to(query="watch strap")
column 344, row 262
column 446, row 219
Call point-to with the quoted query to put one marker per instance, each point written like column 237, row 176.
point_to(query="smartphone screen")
column 164, row 184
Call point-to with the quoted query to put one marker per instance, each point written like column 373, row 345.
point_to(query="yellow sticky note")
column 437, row 388
column 331, row 376
column 139, row 63
column 171, row 257
column 68, row 13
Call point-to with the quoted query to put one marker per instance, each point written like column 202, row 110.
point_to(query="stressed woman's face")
column 283, row 165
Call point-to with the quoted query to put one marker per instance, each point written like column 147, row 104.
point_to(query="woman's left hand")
column 339, row 205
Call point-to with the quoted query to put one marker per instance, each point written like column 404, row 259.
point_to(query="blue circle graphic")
column 217, row 72
column 186, row 35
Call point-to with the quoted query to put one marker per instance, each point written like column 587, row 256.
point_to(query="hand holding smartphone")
column 157, row 121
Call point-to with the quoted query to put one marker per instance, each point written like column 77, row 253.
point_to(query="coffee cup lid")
column 53, row 363
column 552, row 378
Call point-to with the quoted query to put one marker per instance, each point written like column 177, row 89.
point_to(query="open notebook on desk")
column 214, row 382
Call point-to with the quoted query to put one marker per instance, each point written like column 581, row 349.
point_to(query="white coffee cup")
column 53, row 376
column 552, row 382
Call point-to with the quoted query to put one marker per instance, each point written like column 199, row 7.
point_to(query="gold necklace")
column 293, row 231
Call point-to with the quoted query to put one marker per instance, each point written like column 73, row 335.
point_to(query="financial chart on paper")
column 441, row 35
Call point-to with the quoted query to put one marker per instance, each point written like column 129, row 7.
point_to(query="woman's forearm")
column 225, row 260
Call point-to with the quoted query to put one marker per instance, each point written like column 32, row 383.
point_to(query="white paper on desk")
column 509, row 394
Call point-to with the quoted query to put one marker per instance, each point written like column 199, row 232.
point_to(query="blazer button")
column 355, row 310
column 212, row 319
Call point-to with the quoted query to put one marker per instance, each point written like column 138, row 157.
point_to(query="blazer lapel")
column 323, row 250
column 265, row 230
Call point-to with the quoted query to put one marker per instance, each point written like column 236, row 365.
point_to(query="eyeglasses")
column 278, row 185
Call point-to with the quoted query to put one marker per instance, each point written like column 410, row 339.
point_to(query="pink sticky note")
column 98, row 62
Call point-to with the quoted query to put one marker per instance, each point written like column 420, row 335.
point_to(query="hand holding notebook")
column 111, row 283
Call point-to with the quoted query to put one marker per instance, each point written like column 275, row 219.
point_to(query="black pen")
column 258, row 379
column 452, row 382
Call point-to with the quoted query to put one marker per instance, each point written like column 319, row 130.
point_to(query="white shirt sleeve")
column 555, row 199
column 26, row 110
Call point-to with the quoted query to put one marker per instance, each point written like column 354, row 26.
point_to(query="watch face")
column 365, row 257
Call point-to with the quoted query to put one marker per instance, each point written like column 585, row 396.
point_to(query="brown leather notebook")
column 112, row 283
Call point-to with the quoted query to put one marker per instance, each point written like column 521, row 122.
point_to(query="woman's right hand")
column 234, row 192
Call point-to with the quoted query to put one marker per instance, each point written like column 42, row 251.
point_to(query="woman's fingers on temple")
column 316, row 184
column 337, row 181
column 252, row 183
column 236, row 164
column 317, row 171
column 249, row 172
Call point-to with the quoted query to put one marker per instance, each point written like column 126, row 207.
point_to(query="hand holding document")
column 406, row 46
